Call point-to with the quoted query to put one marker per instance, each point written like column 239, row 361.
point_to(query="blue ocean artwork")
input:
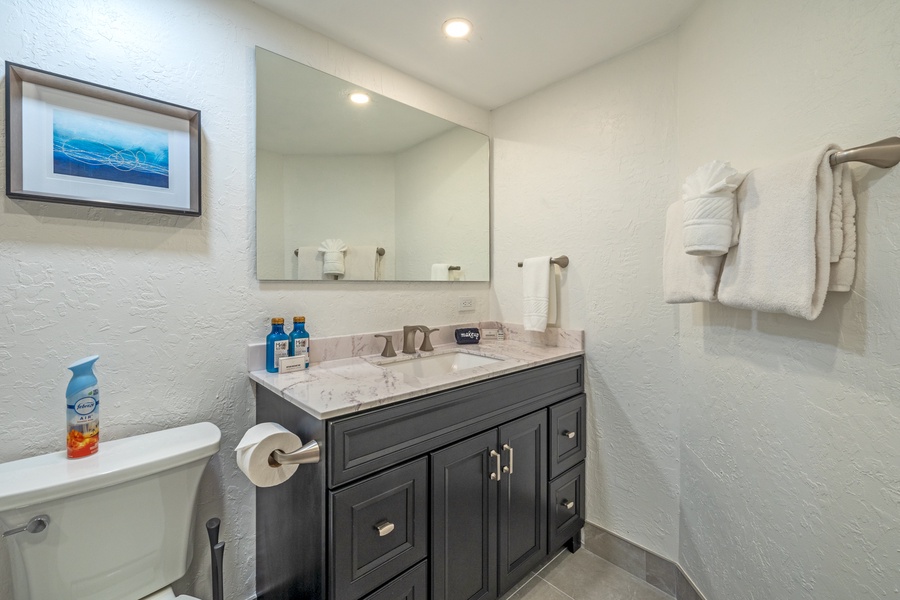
column 93, row 147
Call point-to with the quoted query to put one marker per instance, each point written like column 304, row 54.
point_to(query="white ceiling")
column 515, row 48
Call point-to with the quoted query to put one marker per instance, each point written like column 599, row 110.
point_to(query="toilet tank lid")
column 49, row 477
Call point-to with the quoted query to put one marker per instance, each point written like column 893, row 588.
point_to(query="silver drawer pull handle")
column 509, row 449
column 569, row 434
column 34, row 525
column 384, row 528
column 495, row 476
column 568, row 504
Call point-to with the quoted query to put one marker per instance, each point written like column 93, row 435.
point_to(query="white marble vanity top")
column 341, row 386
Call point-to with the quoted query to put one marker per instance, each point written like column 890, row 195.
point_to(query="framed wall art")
column 76, row 142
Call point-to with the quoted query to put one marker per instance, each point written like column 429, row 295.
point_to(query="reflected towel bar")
column 883, row 154
column 562, row 261
column 379, row 251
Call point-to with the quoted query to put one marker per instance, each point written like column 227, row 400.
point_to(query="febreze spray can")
column 82, row 410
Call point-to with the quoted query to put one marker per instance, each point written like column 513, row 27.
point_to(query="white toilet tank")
column 119, row 521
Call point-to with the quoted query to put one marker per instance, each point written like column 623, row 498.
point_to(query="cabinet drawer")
column 364, row 443
column 568, row 435
column 566, row 506
column 412, row 585
column 378, row 529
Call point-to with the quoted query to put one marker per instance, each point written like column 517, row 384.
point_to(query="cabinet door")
column 464, row 520
column 523, row 497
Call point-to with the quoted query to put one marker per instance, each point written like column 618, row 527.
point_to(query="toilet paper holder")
column 309, row 453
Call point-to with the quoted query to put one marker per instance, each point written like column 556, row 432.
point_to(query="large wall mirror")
column 403, row 192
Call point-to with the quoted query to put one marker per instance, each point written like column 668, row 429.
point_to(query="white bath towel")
column 686, row 278
column 843, row 269
column 711, row 225
column 783, row 261
column 538, row 284
column 440, row 272
column 333, row 260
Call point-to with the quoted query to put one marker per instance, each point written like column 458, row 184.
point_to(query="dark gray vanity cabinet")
column 455, row 495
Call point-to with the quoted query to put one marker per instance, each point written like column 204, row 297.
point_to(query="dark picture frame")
column 75, row 142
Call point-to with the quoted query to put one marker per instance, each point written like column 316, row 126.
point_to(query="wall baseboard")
column 659, row 572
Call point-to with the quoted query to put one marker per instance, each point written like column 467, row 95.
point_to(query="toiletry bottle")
column 276, row 345
column 82, row 410
column 299, row 337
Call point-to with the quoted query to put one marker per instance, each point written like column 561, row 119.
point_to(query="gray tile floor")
column 584, row 576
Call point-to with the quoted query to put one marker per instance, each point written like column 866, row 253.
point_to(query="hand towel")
column 686, row 278
column 333, row 261
column 361, row 263
column 536, row 291
column 440, row 272
column 843, row 269
column 553, row 296
column 308, row 264
column 711, row 225
column 783, row 261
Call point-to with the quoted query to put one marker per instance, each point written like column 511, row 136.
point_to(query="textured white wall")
column 440, row 184
column 170, row 302
column 586, row 168
column 790, row 480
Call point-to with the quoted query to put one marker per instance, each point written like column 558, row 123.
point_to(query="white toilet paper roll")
column 255, row 447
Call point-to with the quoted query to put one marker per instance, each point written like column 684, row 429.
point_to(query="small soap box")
column 468, row 335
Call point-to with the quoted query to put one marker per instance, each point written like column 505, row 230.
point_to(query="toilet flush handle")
column 34, row 525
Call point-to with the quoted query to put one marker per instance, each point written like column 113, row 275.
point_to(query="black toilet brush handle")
column 216, row 552
column 218, row 583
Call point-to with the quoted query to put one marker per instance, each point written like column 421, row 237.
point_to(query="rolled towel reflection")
column 333, row 250
column 711, row 224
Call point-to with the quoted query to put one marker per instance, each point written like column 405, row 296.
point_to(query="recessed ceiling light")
column 359, row 98
column 457, row 28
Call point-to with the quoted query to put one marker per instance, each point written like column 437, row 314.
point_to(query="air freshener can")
column 82, row 410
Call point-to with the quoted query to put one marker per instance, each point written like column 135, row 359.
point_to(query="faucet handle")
column 388, row 351
column 426, row 343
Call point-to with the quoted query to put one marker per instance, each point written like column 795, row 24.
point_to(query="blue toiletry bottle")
column 276, row 345
column 299, row 337
column 82, row 410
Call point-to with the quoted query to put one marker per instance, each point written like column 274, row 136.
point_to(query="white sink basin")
column 436, row 365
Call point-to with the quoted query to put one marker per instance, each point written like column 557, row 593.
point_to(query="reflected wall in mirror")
column 379, row 175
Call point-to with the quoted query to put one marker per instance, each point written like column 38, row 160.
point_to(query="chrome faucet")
column 409, row 338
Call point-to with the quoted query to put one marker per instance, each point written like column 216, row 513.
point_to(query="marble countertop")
column 347, row 385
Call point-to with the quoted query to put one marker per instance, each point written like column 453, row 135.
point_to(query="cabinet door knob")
column 568, row 504
column 509, row 449
column 568, row 434
column 384, row 528
column 495, row 476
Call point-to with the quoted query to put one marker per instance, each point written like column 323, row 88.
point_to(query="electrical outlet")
column 466, row 303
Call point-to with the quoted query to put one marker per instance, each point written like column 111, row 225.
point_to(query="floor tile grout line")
column 554, row 587
column 521, row 585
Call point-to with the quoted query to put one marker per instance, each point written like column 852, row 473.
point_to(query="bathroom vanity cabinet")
column 454, row 495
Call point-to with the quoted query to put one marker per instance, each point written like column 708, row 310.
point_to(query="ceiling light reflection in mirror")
column 378, row 175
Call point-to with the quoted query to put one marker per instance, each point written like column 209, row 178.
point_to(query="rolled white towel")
column 711, row 223
column 333, row 249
